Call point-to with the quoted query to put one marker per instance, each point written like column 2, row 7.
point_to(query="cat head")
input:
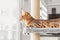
column 25, row 16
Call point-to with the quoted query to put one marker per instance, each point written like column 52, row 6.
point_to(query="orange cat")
column 38, row 23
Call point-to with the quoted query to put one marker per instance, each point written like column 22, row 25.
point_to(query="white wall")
column 26, row 5
column 53, row 4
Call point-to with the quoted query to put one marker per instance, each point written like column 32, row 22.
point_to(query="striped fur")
column 38, row 23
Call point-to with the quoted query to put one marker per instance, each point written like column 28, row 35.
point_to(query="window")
column 53, row 10
column 9, row 25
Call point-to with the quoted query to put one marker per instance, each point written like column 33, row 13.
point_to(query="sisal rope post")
column 35, row 12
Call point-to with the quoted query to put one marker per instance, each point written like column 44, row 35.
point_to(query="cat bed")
column 51, row 32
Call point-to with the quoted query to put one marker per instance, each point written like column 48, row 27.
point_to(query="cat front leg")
column 24, row 31
column 29, row 26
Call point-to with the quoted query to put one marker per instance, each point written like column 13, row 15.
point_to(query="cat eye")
column 22, row 16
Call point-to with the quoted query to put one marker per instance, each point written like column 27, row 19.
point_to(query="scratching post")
column 35, row 12
column 35, row 8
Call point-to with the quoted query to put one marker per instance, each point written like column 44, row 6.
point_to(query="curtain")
column 9, row 20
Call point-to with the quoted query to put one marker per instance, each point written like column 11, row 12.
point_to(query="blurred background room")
column 10, row 11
